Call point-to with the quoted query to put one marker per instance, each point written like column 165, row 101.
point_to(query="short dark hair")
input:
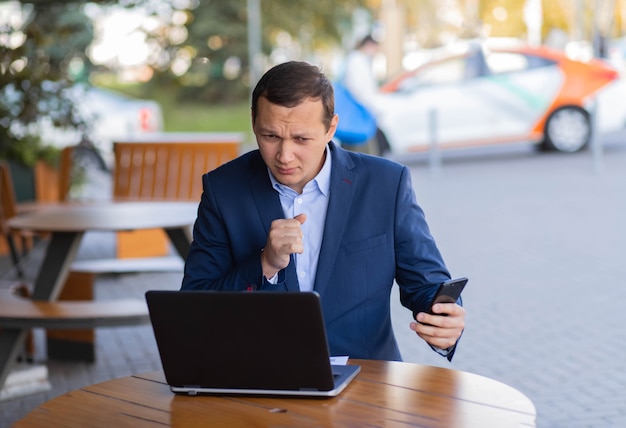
column 290, row 83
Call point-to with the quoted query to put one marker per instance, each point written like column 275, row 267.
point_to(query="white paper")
column 340, row 360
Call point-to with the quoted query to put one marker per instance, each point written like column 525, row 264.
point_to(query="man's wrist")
column 269, row 272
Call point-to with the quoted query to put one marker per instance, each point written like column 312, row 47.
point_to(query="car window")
column 445, row 72
column 535, row 61
column 506, row 62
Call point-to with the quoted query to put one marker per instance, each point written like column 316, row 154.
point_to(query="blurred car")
column 111, row 116
column 500, row 95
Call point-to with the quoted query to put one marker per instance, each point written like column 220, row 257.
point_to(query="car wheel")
column 382, row 143
column 568, row 130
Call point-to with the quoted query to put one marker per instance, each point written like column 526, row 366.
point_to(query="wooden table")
column 67, row 223
column 383, row 394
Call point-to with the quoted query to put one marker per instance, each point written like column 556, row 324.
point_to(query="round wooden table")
column 68, row 223
column 383, row 394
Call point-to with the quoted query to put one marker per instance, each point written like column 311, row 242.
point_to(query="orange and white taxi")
column 502, row 95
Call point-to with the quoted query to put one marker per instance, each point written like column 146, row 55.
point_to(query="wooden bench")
column 22, row 313
column 166, row 166
column 169, row 167
column 163, row 166
column 160, row 166
column 19, row 314
column 79, row 345
column 128, row 265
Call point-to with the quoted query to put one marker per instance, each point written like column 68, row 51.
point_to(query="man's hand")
column 439, row 330
column 284, row 238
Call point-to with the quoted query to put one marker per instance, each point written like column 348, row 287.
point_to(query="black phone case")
column 448, row 292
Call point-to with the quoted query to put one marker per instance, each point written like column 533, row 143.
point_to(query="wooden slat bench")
column 160, row 166
column 169, row 168
column 129, row 265
column 72, row 345
column 165, row 166
column 19, row 314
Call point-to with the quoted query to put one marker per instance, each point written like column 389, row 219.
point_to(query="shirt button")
column 299, row 200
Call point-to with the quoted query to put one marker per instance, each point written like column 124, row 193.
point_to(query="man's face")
column 292, row 140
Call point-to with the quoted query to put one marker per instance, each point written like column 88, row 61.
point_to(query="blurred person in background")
column 359, row 78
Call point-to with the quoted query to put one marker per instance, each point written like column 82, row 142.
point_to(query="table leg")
column 50, row 279
column 11, row 341
column 181, row 238
column 56, row 265
column 74, row 344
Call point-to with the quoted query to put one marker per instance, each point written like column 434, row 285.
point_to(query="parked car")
column 112, row 116
column 500, row 95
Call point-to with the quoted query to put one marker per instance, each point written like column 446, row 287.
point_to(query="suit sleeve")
column 419, row 265
column 215, row 261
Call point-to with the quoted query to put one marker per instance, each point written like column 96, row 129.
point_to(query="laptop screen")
column 241, row 340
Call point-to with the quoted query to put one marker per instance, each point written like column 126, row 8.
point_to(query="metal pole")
column 434, row 155
column 580, row 21
column 596, row 141
column 254, row 41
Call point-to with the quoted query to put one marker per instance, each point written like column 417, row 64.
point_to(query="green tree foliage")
column 37, row 55
column 217, row 37
column 217, row 43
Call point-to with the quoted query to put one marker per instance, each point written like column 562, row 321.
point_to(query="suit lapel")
column 265, row 198
column 269, row 208
column 343, row 180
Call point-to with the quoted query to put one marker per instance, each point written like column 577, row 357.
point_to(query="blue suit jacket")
column 375, row 232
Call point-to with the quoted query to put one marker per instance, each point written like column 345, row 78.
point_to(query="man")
column 302, row 214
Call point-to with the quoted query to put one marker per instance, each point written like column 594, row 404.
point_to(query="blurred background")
column 64, row 66
column 536, row 233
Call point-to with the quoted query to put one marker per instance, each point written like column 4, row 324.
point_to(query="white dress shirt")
column 314, row 203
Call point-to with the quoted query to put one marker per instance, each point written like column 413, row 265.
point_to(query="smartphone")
column 448, row 292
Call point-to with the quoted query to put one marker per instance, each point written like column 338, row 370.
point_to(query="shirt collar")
column 321, row 180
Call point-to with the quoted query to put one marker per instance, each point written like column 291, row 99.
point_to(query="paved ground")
column 542, row 238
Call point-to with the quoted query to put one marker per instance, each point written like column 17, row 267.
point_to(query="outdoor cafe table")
column 383, row 394
column 68, row 222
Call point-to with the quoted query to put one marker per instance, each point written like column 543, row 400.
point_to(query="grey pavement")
column 542, row 238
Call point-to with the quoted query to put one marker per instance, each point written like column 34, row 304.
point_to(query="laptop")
column 245, row 343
